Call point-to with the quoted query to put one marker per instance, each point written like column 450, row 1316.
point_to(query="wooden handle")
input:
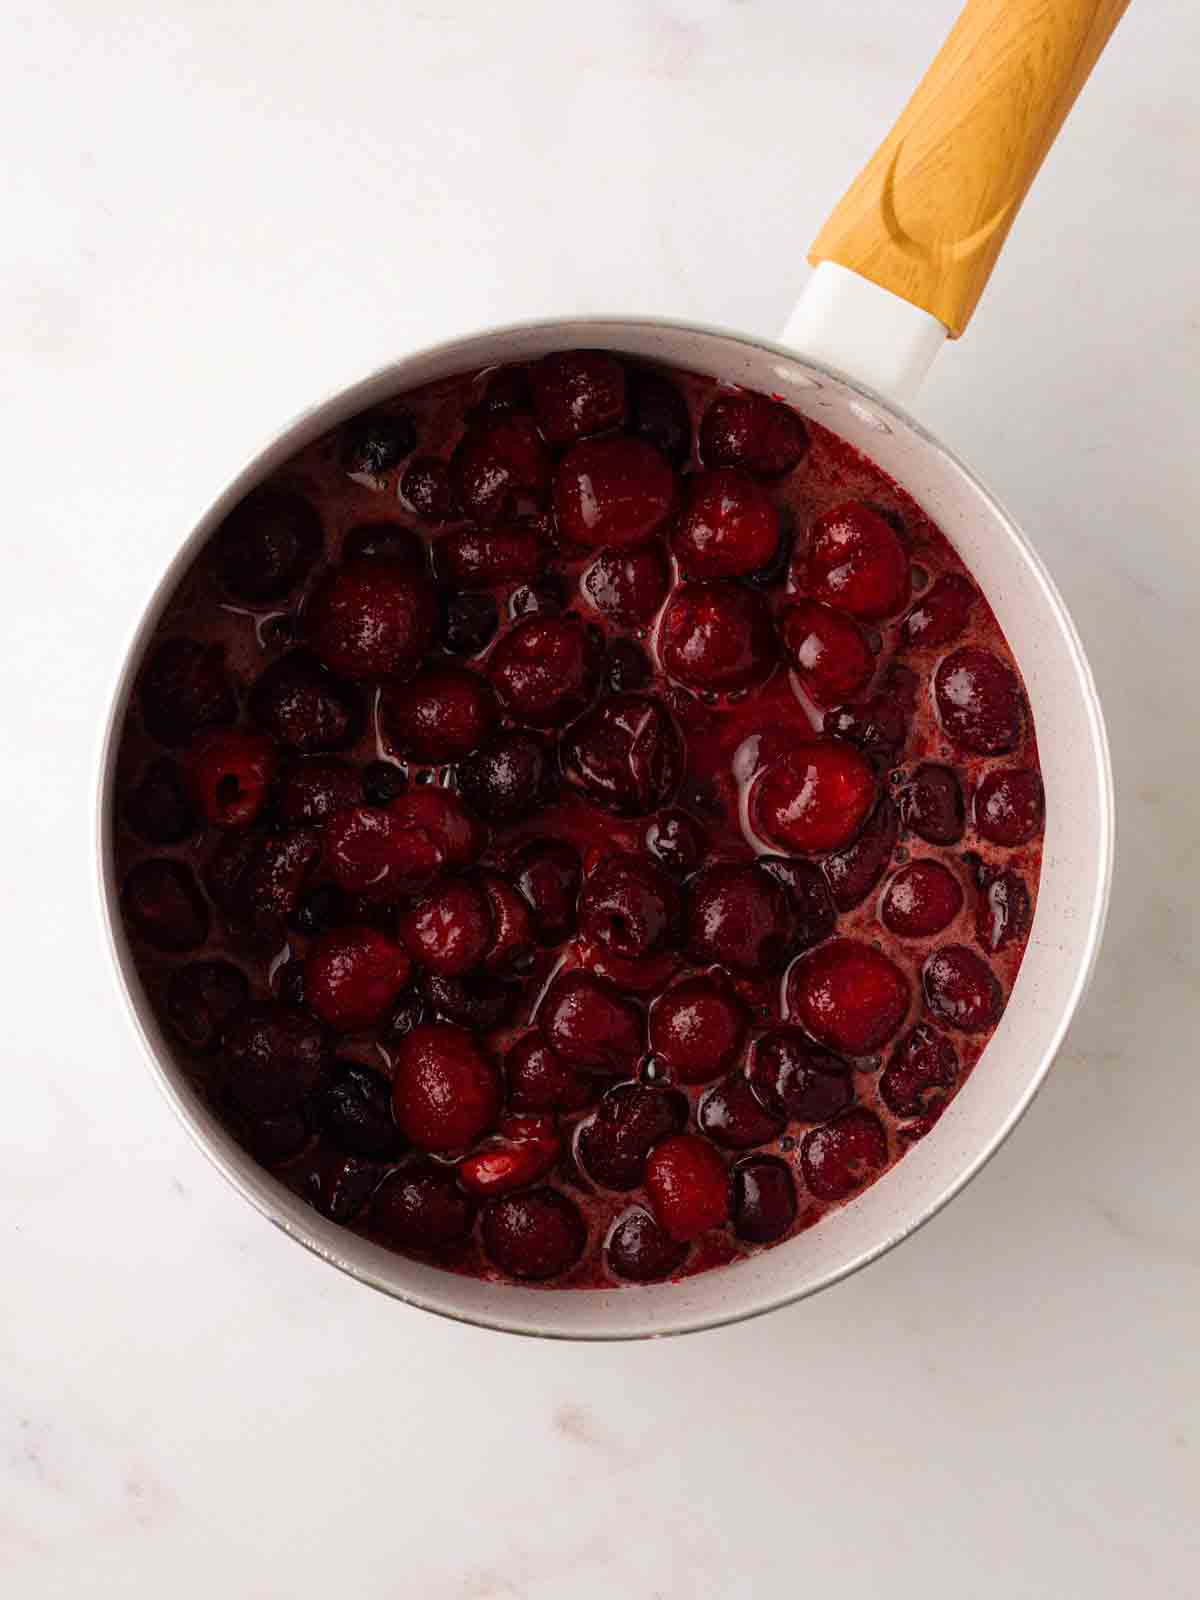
column 927, row 216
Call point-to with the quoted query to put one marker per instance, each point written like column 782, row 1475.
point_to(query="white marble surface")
column 216, row 211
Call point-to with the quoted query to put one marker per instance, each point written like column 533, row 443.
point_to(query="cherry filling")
column 579, row 823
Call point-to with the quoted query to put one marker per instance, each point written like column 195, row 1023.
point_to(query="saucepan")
column 899, row 267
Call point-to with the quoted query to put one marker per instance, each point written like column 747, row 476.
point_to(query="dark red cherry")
column 687, row 1186
column 629, row 907
column 390, row 541
column 499, row 464
column 548, row 873
column 727, row 527
column 422, row 1207
column 508, row 389
column 628, row 584
column 796, row 1079
column 484, row 558
column 353, row 977
column 762, row 1199
column 371, row 618
column 640, row 1252
column 477, row 1001
column 539, row 1079
column 273, row 1058
column 545, row 670
column 756, row 434
column 676, row 841
column 591, row 1023
column 627, row 667
column 468, row 622
column 352, row 1107
column 448, row 930
column 921, row 1071
column 849, row 996
column 163, row 906
column 931, row 804
column 922, row 898
column 185, row 687
column 309, row 790
column 1003, row 910
column 732, row 1115
column 276, row 1140
column 808, row 895
column 658, row 413
column 267, row 543
column 229, row 772
column 853, row 872
column 717, row 636
column 626, row 755
column 696, row 1029
column 961, row 989
column 629, row 1121
column 334, row 1183
column 740, row 917
column 576, row 393
column 320, row 908
column 508, row 778
column 273, row 877
column 372, row 443
column 303, row 705
column 857, row 563
column 533, row 1236
column 201, row 998
column 830, row 656
column 979, row 701
column 941, row 613
column 844, row 1155
column 1009, row 806
column 510, row 947
column 522, row 1151
column 440, row 715
column 379, row 852
column 158, row 807
column 427, row 488
column 445, row 1091
column 814, row 799
column 879, row 725
column 615, row 490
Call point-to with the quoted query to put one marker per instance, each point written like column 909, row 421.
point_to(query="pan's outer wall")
column 1072, row 899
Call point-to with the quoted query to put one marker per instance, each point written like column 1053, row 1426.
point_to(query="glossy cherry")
column 590, row 1023
column 797, row 1079
column 629, row 1121
column 696, row 1029
column 639, row 1251
column 628, row 584
column 850, row 996
column 979, row 701
column 626, row 755
column 1009, row 806
column 732, row 1115
column 921, row 899
column 1003, row 909
column 717, row 636
column 509, row 777
column 520, row 1153
column 449, row 929
column 445, row 1091
column 853, row 872
column 814, row 799
column 229, row 772
column 756, row 434
column 267, row 543
column 727, row 527
column 577, row 393
column 374, row 442
column 483, row 558
column 427, row 488
column 762, row 1198
column 687, row 1186
column 961, row 989
column 629, row 907
column 352, row 1106
column 548, row 874
column 499, row 464
column 441, row 715
column 371, row 618
column 740, row 917
column 310, row 789
column 545, row 670
column 921, row 1071
column 615, row 490
column 539, row 1079
column 941, row 613
column 857, row 563
column 844, row 1155
column 931, row 804
column 273, row 1058
column 422, row 1207
column 828, row 652
column 353, row 976
column 306, row 707
column 536, row 1235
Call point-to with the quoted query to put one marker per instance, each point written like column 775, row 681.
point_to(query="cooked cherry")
column 545, row 670
column 427, row 488
column 353, row 1109
column 273, row 1057
column 521, row 1151
column 832, row 659
column 499, row 463
column 640, row 1252
column 796, row 1079
column 163, row 905
column 408, row 1012
column 728, row 525
column 808, row 894
column 626, row 755
column 576, row 393
column 310, row 790
column 617, row 490
column 382, row 782
column 849, row 996
column 303, row 705
column 853, row 872
column 844, row 1155
column 287, row 984
column 628, row 584
column 371, row 618
column 814, row 799
column 335, row 1184
column 629, row 907
column 445, row 1091
column 259, row 887
column 482, row 558
column 383, row 851
column 267, row 543
column 961, row 989
column 750, row 431
column 548, row 873
column 229, row 772
column 979, row 701
column 275, row 1140
column 508, row 389
column 626, row 667
column 762, row 1199
column 352, row 977
column 545, row 598
column 448, row 930
column 629, row 1121
column 741, row 917
column 1009, row 806
column 676, row 841
column 941, row 613
column 440, row 715
column 732, row 1115
column 696, row 1029
column 184, row 688
column 468, row 622
column 717, row 636
column 931, row 804
column 922, row 898
column 201, row 998
column 591, row 1023
column 535, row 1235
column 510, row 777
column 1003, row 911
column 321, row 908
column 510, row 946
column 539, row 1079
column 658, row 413
column 391, row 541
column 158, row 808
column 374, row 441
column 477, row 1001
column 422, row 1207
column 857, row 563
column 687, row 1186
column 878, row 725
column 920, row 1072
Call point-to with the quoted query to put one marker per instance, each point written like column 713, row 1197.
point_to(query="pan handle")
column 926, row 218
